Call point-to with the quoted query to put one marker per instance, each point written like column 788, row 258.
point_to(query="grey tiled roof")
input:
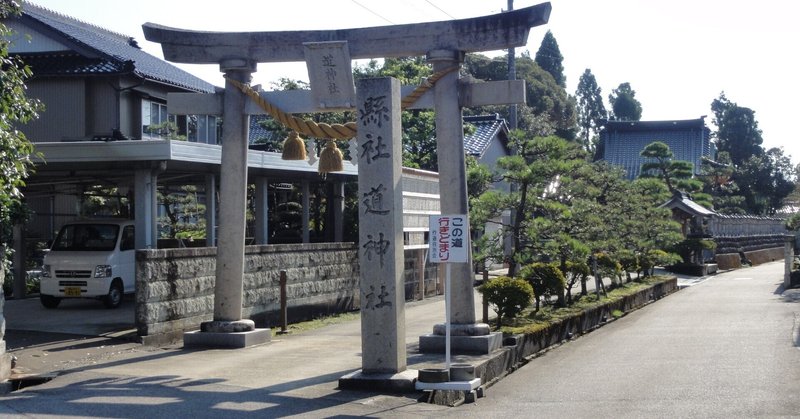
column 623, row 141
column 684, row 202
column 486, row 128
column 105, row 49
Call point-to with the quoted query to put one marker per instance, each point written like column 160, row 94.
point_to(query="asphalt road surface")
column 727, row 347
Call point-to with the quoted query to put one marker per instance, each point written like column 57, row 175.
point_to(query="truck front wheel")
column 48, row 301
column 114, row 297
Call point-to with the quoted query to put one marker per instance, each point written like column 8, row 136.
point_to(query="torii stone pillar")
column 228, row 329
column 466, row 334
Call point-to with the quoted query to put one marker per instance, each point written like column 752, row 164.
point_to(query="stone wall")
column 731, row 252
column 721, row 225
column 175, row 287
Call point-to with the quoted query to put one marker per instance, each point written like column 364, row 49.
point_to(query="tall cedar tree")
column 591, row 110
column 737, row 130
column 550, row 59
column 624, row 106
column 764, row 177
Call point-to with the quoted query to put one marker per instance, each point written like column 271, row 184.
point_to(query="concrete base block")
column 401, row 382
column 5, row 363
column 430, row 344
column 6, row 387
column 470, row 385
column 226, row 340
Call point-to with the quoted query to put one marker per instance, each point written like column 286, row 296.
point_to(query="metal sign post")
column 449, row 243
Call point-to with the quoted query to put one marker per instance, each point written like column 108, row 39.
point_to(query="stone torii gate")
column 443, row 43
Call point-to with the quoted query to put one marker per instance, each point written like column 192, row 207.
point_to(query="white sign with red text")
column 448, row 239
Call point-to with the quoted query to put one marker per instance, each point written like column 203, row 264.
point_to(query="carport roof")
column 71, row 161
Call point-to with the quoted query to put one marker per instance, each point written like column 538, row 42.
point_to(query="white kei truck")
column 90, row 259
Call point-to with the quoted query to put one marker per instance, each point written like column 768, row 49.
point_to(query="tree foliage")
column 533, row 170
column 15, row 149
column 546, row 279
column 591, row 110
column 509, row 296
column 758, row 180
column 549, row 58
column 624, row 105
column 678, row 175
column 737, row 130
column 718, row 183
column 184, row 215
column 565, row 208
column 549, row 109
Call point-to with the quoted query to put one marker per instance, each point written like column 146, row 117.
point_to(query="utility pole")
column 512, row 75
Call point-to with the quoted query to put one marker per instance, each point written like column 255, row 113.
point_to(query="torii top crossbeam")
column 485, row 33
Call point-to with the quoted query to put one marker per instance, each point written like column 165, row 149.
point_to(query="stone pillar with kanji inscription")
column 380, row 222
column 380, row 247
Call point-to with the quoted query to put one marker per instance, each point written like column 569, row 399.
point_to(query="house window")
column 202, row 129
column 155, row 120
column 158, row 124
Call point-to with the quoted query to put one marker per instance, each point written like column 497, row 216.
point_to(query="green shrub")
column 656, row 257
column 546, row 280
column 687, row 249
column 509, row 296
column 31, row 284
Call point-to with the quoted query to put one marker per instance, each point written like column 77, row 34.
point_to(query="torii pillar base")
column 400, row 382
column 465, row 339
column 224, row 334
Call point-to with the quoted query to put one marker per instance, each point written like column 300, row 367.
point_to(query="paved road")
column 726, row 348
column 655, row 350
column 79, row 316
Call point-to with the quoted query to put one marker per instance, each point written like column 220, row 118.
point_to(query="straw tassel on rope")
column 330, row 159
column 294, row 148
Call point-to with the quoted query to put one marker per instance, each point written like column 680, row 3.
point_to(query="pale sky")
column 678, row 55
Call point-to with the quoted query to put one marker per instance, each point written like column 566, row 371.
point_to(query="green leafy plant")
column 690, row 247
column 546, row 280
column 509, row 296
column 15, row 149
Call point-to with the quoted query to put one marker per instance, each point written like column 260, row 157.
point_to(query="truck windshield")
column 87, row 237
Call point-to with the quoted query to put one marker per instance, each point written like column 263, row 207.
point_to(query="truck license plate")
column 72, row 291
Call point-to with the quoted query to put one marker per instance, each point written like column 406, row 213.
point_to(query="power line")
column 373, row 12
column 439, row 9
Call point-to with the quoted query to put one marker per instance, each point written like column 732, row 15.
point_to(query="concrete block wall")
column 321, row 279
column 175, row 287
column 413, row 275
